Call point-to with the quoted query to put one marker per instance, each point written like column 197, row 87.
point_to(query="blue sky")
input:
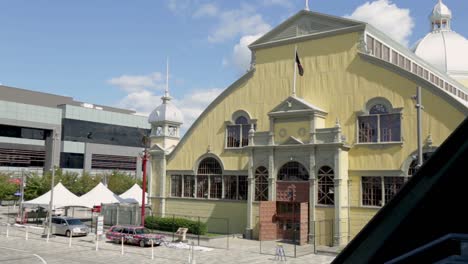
column 113, row 52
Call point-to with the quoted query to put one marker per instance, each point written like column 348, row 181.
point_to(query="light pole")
column 52, row 185
column 143, row 195
column 22, row 196
column 419, row 107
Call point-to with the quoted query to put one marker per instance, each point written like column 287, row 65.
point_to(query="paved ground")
column 16, row 249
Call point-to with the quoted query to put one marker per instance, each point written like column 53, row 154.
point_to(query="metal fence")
column 321, row 237
column 216, row 235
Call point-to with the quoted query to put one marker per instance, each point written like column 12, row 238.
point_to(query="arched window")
column 209, row 179
column 326, row 186
column 293, row 171
column 381, row 123
column 238, row 134
column 261, row 184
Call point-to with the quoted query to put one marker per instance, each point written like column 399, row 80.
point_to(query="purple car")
column 136, row 235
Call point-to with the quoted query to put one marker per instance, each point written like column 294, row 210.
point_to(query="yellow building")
column 323, row 157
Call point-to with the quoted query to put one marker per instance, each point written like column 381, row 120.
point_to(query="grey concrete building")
column 40, row 130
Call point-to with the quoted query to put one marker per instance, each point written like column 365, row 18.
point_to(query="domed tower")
column 444, row 48
column 165, row 121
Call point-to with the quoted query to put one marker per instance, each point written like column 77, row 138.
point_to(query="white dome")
column 446, row 50
column 166, row 112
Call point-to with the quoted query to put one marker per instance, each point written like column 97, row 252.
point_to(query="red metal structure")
column 143, row 198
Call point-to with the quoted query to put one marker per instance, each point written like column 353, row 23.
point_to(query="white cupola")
column 441, row 17
column 444, row 48
column 165, row 121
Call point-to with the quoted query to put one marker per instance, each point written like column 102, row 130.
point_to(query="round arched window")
column 293, row 171
column 209, row 166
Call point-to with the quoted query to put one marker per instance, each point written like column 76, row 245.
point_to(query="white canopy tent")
column 99, row 194
column 62, row 198
column 133, row 195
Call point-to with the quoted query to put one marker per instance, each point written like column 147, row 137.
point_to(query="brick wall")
column 304, row 223
column 268, row 227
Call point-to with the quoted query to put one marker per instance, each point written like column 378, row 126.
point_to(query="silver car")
column 69, row 226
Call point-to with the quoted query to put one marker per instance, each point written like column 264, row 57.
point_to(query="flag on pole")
column 299, row 65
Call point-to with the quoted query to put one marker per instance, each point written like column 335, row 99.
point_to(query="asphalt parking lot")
column 17, row 249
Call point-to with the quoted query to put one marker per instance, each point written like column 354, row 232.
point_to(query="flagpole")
column 295, row 72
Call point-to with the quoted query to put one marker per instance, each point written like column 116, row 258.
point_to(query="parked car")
column 67, row 226
column 136, row 235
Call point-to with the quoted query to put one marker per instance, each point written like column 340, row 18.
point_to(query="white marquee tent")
column 62, row 198
column 133, row 195
column 99, row 194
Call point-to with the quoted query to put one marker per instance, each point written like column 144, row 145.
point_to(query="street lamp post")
column 52, row 185
column 419, row 107
column 143, row 195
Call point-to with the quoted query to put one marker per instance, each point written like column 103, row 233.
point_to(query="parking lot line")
column 19, row 250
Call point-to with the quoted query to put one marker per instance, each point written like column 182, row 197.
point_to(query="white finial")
column 166, row 96
column 166, row 93
column 307, row 5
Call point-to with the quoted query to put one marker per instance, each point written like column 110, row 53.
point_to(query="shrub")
column 172, row 224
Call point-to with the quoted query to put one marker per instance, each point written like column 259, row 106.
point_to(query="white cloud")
column 135, row 83
column 238, row 22
column 178, row 6
column 387, row 17
column 143, row 101
column 241, row 54
column 191, row 104
column 206, row 10
column 283, row 3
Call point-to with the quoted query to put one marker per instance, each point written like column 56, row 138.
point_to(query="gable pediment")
column 295, row 106
column 305, row 23
column 292, row 141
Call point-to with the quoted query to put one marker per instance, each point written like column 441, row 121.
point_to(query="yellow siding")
column 337, row 80
column 256, row 219
column 214, row 213
column 464, row 82
column 359, row 217
column 324, row 225
column 355, row 191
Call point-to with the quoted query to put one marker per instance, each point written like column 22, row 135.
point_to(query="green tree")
column 86, row 182
column 119, row 182
column 7, row 188
column 34, row 186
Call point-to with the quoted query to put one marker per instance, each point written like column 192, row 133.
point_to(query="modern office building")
column 40, row 130
column 318, row 151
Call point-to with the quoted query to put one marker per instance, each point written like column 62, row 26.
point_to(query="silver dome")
column 166, row 112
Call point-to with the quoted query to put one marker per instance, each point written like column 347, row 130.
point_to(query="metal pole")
column 295, row 72
column 97, row 242
column 122, row 242
column 152, row 249
column 228, row 233
column 70, row 240
column 26, row 237
column 143, row 198
column 419, row 107
column 22, row 197
column 51, row 203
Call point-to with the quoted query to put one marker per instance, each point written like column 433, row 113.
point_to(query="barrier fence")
column 92, row 242
column 321, row 238
column 202, row 231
